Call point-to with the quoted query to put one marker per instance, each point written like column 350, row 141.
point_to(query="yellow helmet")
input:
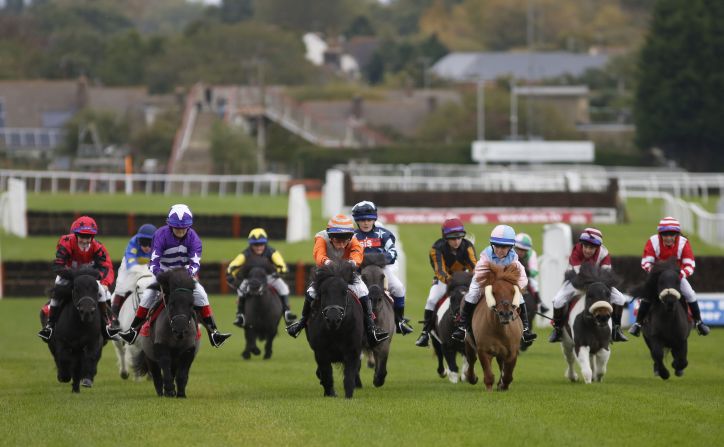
column 257, row 236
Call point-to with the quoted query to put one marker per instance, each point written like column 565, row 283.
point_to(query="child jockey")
column 138, row 252
column 337, row 242
column 176, row 245
column 376, row 239
column 500, row 252
column 669, row 243
column 449, row 254
column 75, row 250
column 589, row 249
column 258, row 248
column 529, row 259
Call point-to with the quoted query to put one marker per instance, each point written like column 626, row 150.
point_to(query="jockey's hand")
column 327, row 261
column 682, row 275
column 354, row 264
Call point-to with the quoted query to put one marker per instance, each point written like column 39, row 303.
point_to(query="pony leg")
column 441, row 371
column 324, row 372
column 584, row 361
column 680, row 362
column 488, row 376
column 122, row 361
column 381, row 354
column 77, row 368
column 250, row 338
column 454, row 375
column 352, row 365
column 657, row 354
column 470, row 357
column 601, row 363
column 182, row 370
column 506, row 373
column 163, row 357
column 570, row 373
column 156, row 375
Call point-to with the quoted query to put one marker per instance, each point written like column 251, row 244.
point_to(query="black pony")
column 76, row 342
column 172, row 344
column 446, row 317
column 335, row 328
column 666, row 325
column 587, row 335
column 262, row 307
column 373, row 276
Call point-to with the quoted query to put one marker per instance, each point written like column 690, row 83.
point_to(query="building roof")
column 531, row 66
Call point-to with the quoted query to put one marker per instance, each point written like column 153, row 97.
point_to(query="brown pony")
column 496, row 328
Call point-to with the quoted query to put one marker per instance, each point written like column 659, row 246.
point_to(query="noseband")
column 181, row 317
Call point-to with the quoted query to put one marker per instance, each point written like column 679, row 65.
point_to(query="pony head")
column 502, row 295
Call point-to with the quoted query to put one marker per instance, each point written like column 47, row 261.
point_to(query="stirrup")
column 217, row 338
column 635, row 329
column 459, row 334
column 240, row 320
column 702, row 329
column 129, row 336
column 289, row 317
column 529, row 336
column 112, row 331
column 379, row 335
column 617, row 335
column 423, row 340
column 556, row 335
column 46, row 333
column 295, row 328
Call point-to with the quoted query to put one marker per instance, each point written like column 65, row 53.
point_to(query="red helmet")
column 453, row 229
column 84, row 225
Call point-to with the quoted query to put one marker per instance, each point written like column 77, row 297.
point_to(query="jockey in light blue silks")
column 176, row 245
column 138, row 252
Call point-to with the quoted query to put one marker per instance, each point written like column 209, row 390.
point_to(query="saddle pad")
column 146, row 328
column 441, row 308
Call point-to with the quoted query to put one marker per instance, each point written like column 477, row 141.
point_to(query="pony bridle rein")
column 670, row 291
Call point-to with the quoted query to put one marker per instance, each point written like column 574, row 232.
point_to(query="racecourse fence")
column 31, row 279
column 45, row 223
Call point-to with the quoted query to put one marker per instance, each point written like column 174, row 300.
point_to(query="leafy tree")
column 232, row 150
column 232, row 11
column 156, row 141
column 681, row 84
column 112, row 130
column 329, row 16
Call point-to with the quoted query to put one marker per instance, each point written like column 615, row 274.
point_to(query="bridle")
column 179, row 317
column 493, row 305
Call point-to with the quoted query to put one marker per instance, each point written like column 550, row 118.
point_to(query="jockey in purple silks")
column 177, row 245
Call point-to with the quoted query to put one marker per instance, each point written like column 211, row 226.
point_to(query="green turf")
column 279, row 401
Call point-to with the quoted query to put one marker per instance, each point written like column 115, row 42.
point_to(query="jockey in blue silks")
column 500, row 252
column 176, row 245
column 138, row 252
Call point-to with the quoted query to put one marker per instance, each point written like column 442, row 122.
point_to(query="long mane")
column 509, row 274
column 649, row 288
column 589, row 274
column 341, row 269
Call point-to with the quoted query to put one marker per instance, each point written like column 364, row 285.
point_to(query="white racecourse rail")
column 93, row 182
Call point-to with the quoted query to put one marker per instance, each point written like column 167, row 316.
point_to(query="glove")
column 354, row 264
column 327, row 262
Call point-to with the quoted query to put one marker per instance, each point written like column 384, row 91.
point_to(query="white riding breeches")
column 687, row 291
column 437, row 291
column 394, row 285
column 357, row 287
column 272, row 280
column 103, row 294
column 567, row 292
column 150, row 296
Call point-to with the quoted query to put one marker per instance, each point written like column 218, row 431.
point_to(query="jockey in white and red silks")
column 589, row 249
column 176, row 245
column 666, row 244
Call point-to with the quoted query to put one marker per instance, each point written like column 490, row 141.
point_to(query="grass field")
column 279, row 401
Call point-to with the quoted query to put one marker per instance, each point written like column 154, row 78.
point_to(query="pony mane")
column 254, row 262
column 459, row 279
column 589, row 274
column 174, row 279
column 90, row 271
column 509, row 274
column 649, row 288
column 341, row 269
column 377, row 259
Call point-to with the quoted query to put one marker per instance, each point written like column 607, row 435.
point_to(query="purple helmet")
column 180, row 216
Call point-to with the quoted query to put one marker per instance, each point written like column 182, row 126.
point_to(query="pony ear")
column 66, row 274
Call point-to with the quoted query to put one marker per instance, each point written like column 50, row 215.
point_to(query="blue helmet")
column 146, row 231
column 180, row 216
column 364, row 210
column 503, row 235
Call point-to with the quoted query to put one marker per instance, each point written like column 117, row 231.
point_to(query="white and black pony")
column 335, row 329
column 77, row 341
column 173, row 341
column 373, row 276
column 446, row 316
column 262, row 307
column 587, row 335
column 666, row 326
column 126, row 353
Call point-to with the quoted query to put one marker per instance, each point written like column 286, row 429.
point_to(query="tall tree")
column 680, row 91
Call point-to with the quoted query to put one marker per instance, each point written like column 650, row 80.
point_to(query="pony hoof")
column 75, row 389
column 679, row 372
column 63, row 379
column 330, row 394
column 664, row 374
column 124, row 375
column 181, row 396
column 378, row 382
column 169, row 393
column 86, row 383
column 255, row 351
column 473, row 380
column 267, row 355
column 454, row 377
column 246, row 355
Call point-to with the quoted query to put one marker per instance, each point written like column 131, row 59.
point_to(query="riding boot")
column 464, row 323
column 295, row 328
column 541, row 305
column 701, row 328
column 288, row 315
column 109, row 324
column 374, row 334
column 528, row 335
column 47, row 331
column 635, row 328
column 424, row 339
column 402, row 325
column 616, row 334
column 558, row 316
column 130, row 335
column 240, row 318
column 216, row 338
